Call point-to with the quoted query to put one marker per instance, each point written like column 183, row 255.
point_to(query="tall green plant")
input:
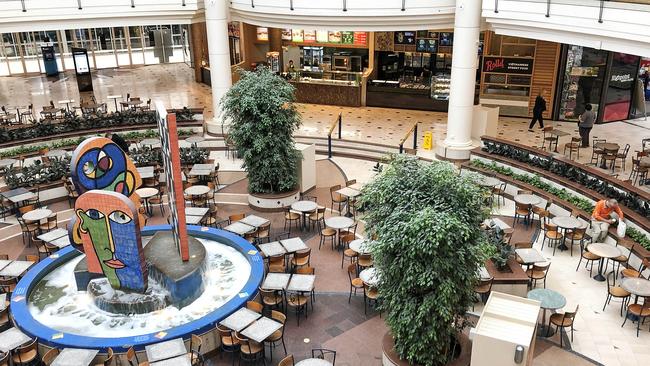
column 262, row 120
column 429, row 248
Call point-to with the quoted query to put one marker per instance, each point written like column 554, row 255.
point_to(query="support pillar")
column 467, row 23
column 275, row 44
column 216, row 23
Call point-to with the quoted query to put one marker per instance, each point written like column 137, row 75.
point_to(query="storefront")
column 515, row 70
column 606, row 80
column 412, row 70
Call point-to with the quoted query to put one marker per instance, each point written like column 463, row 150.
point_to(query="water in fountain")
column 56, row 303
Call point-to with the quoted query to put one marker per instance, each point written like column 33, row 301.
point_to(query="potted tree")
column 262, row 120
column 429, row 247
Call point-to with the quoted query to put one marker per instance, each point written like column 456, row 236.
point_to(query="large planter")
column 513, row 281
column 390, row 357
column 273, row 202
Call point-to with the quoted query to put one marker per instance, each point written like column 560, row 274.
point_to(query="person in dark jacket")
column 586, row 123
column 119, row 141
column 538, row 110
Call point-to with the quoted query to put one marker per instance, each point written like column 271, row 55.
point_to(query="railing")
column 338, row 121
column 601, row 5
column 25, row 4
column 344, row 5
column 414, row 130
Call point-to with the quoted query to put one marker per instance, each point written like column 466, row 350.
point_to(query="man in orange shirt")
column 605, row 213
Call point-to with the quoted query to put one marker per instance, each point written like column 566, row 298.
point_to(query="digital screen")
column 321, row 37
column 81, row 63
column 404, row 37
column 286, row 34
column 446, row 38
column 262, row 34
column 310, row 36
column 426, row 45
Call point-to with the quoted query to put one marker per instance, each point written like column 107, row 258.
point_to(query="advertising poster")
column 309, row 36
column 297, row 35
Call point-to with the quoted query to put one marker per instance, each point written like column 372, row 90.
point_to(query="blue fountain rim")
column 55, row 338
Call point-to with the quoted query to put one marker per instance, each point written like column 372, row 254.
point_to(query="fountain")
column 120, row 285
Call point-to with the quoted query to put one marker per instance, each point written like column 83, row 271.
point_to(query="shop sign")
column 310, row 36
column 286, row 34
column 297, row 36
column 262, row 34
column 507, row 65
column 360, row 38
column 334, row 37
column 321, row 36
column 347, row 37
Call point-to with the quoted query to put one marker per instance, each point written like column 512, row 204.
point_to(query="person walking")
column 538, row 110
column 585, row 124
column 606, row 213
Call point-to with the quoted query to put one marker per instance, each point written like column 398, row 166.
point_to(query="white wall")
column 624, row 28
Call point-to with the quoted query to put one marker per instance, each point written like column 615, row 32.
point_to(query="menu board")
column 334, row 37
column 297, row 35
column 309, row 36
column 347, row 37
column 233, row 29
column 321, row 37
column 262, row 34
column 404, row 37
column 446, row 38
column 286, row 34
column 360, row 38
column 427, row 45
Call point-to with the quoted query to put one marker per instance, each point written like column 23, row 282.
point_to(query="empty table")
column 53, row 235
column 37, row 215
column 370, row 276
column 488, row 181
column 75, row 357
column 339, row 222
column 145, row 172
column 197, row 190
column 57, row 153
column 527, row 199
column 549, row 299
column 16, row 268
column 604, row 251
column 182, row 360
column 115, row 98
column 361, row 246
column 254, row 221
column 240, row 319
column 201, row 169
column 261, row 329
column 239, row 228
column 194, row 140
column 193, row 220
column 4, row 263
column 530, row 255
column 304, row 207
column 19, row 195
column 566, row 223
column 67, row 103
column 165, row 350
column 313, row 362
column 276, row 281
column 146, row 192
column 150, row 142
column 301, row 283
column 293, row 244
column 272, row 249
column 7, row 162
column 194, row 215
column 61, row 242
column 350, row 193
column 12, row 338
column 636, row 286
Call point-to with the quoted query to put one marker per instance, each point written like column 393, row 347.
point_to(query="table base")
column 545, row 331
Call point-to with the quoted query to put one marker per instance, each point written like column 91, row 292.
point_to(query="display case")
column 327, row 87
column 440, row 84
column 329, row 77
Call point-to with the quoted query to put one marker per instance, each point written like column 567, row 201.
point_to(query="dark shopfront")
column 606, row 80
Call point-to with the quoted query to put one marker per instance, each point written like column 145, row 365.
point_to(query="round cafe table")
column 527, row 199
column 637, row 286
column 304, row 207
column 313, row 362
column 604, row 251
column 193, row 140
column 369, row 276
column 56, row 153
column 361, row 246
column 7, row 162
column 566, row 223
column 550, row 300
column 150, row 142
column 145, row 194
column 339, row 223
column 197, row 190
column 37, row 215
column 488, row 182
column 607, row 146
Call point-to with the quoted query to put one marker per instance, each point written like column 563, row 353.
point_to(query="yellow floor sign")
column 428, row 139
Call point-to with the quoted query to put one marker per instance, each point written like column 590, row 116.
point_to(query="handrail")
column 79, row 4
column 548, row 8
column 338, row 121
column 22, row 2
column 345, row 5
column 413, row 129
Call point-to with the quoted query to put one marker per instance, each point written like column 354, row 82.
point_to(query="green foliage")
column 562, row 194
column 502, row 251
column 38, row 173
column 429, row 248
column 263, row 120
column 148, row 156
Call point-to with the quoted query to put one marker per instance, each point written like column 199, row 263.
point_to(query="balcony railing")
column 27, row 5
column 398, row 4
column 601, row 4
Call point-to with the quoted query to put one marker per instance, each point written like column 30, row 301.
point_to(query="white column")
column 216, row 24
column 463, row 78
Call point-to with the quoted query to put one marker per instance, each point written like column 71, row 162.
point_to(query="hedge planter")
column 390, row 358
column 273, row 202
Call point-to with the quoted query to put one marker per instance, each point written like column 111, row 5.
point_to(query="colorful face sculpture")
column 109, row 228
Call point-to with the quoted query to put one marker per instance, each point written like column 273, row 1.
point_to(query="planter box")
column 514, row 282
column 390, row 357
column 274, row 202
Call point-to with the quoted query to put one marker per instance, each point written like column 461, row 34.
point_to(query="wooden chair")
column 196, row 357
column 615, row 291
column 620, row 260
column 498, row 193
column 355, row 282
column 132, row 358
column 483, row 289
column 347, row 252
column 573, row 146
column 291, row 218
column 609, row 156
column 277, row 263
column 317, row 218
column 49, row 356
column 550, row 138
column 350, row 182
column 596, row 151
column 287, row 361
column 641, row 311
column 228, row 344
column 301, row 259
column 51, row 224
column 255, row 306
column 237, row 217
column 633, row 273
column 158, row 199
column 212, row 218
column 522, row 245
column 26, row 354
column 552, row 235
column 352, row 230
column 327, row 234
column 72, row 193
column 298, row 302
column 370, row 295
column 278, row 335
column 364, row 261
column 32, row 258
column 563, row 320
column 8, row 284
column 4, row 359
column 271, row 299
column 109, row 358
column 538, row 273
column 578, row 235
column 622, row 156
column 522, row 211
column 588, row 256
column 42, row 250
column 324, row 354
column 5, row 322
column 337, row 198
column 263, row 233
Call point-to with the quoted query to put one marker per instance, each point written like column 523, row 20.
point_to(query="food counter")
column 327, row 87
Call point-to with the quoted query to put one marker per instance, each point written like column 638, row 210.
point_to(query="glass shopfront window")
column 622, row 76
column 583, row 81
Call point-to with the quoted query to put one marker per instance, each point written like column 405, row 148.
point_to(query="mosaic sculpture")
column 107, row 221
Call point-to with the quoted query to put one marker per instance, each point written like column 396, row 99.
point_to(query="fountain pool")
column 46, row 303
